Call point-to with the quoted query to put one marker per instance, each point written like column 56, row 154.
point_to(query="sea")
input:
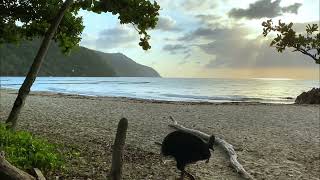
column 263, row 90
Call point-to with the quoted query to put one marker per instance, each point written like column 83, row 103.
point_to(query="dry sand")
column 273, row 141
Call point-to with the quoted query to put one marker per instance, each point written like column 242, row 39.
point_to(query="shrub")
column 25, row 151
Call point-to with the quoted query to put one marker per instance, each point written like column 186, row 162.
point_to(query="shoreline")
column 272, row 141
column 50, row 93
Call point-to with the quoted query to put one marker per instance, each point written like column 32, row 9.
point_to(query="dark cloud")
column 178, row 49
column 264, row 9
column 175, row 48
column 166, row 23
column 115, row 37
column 208, row 33
column 292, row 8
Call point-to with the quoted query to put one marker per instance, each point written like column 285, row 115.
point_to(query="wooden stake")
column 117, row 152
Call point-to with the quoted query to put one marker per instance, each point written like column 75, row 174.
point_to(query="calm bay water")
column 173, row 89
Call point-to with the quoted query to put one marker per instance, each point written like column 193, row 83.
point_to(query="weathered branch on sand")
column 8, row 171
column 224, row 144
column 117, row 152
column 38, row 174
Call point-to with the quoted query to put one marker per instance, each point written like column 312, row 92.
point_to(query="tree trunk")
column 35, row 67
column 117, row 152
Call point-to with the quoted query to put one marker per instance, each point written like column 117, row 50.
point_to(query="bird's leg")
column 189, row 175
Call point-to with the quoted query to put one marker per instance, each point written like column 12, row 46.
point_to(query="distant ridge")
column 16, row 60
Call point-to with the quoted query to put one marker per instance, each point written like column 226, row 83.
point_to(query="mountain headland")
column 15, row 60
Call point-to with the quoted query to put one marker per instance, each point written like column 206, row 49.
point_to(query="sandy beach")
column 273, row 141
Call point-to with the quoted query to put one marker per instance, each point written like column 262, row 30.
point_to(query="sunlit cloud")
column 202, row 37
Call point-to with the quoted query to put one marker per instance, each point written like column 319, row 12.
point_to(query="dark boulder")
column 310, row 97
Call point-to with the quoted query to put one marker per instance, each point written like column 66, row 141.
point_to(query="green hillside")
column 16, row 60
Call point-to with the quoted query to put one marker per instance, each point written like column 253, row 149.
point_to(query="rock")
column 310, row 97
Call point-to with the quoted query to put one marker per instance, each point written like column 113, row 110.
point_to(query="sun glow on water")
column 273, row 79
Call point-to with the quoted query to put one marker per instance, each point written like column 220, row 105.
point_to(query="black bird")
column 186, row 148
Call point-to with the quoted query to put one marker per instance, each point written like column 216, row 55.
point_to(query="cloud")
column 208, row 33
column 175, row 48
column 231, row 52
column 166, row 23
column 301, row 27
column 292, row 8
column 212, row 64
column 244, row 53
column 192, row 5
column 210, row 20
column 119, row 36
column 178, row 49
column 264, row 9
column 229, row 47
column 207, row 17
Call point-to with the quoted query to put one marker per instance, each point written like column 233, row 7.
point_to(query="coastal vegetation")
column 307, row 43
column 142, row 14
column 26, row 151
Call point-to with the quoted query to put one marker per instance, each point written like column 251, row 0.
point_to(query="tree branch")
column 224, row 144
column 8, row 171
column 307, row 53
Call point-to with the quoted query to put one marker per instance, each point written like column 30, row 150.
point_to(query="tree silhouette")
column 308, row 43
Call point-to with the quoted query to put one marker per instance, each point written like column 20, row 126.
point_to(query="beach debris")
column 38, row 174
column 117, row 150
column 186, row 148
column 218, row 141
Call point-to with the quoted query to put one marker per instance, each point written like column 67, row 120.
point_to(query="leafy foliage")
column 142, row 14
column 308, row 44
column 25, row 151
column 27, row 19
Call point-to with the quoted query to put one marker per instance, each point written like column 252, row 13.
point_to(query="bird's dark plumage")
column 186, row 148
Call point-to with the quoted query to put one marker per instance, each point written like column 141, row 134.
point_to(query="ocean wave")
column 222, row 98
column 134, row 83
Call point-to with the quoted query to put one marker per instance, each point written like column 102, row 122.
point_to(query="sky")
column 210, row 39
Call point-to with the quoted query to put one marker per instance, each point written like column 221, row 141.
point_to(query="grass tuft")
column 25, row 151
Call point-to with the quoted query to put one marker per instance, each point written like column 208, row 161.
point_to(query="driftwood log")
column 117, row 151
column 224, row 144
column 10, row 172
column 38, row 174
